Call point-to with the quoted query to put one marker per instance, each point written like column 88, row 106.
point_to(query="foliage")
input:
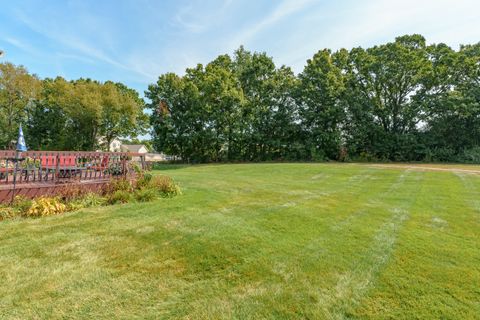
column 400, row 101
column 74, row 197
column 30, row 163
column 7, row 212
column 115, row 169
column 21, row 204
column 143, row 180
column 90, row 199
column 45, row 206
column 70, row 192
column 18, row 89
column 145, row 194
column 118, row 185
column 471, row 155
column 119, row 196
column 165, row 185
column 67, row 115
column 231, row 109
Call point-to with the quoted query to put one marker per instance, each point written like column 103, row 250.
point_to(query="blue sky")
column 134, row 41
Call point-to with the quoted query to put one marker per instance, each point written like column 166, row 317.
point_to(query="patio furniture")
column 103, row 165
column 66, row 168
column 4, row 172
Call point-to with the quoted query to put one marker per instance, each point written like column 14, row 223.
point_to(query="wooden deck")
column 50, row 188
column 38, row 173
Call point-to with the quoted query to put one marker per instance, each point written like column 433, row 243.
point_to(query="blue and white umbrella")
column 21, row 145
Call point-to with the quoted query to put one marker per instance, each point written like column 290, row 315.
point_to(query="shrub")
column 165, row 186
column 136, row 167
column 444, row 155
column 145, row 194
column 30, row 163
column 119, row 196
column 44, row 206
column 471, row 155
column 143, row 180
column 72, row 192
column 21, row 204
column 7, row 212
column 90, row 199
column 118, row 185
column 115, row 169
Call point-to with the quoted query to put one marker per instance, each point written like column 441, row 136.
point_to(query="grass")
column 258, row 241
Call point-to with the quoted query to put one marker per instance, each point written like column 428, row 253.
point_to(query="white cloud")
column 21, row 45
column 286, row 8
column 366, row 23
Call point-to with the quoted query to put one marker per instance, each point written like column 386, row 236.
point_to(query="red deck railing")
column 64, row 166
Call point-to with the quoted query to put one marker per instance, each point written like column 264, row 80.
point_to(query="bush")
column 7, row 212
column 471, row 155
column 115, row 169
column 136, row 167
column 145, row 194
column 143, row 180
column 118, row 185
column 44, row 206
column 72, row 192
column 21, row 204
column 165, row 186
column 71, row 198
column 119, row 196
column 90, row 199
column 444, row 155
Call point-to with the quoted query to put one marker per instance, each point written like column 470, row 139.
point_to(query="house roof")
column 134, row 147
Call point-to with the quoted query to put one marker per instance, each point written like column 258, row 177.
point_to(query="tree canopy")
column 402, row 101
column 67, row 115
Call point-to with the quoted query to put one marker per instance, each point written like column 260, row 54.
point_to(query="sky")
column 134, row 41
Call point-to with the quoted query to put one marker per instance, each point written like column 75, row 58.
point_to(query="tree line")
column 57, row 114
column 400, row 101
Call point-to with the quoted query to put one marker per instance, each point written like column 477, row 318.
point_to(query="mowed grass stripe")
column 432, row 264
column 368, row 243
column 294, row 255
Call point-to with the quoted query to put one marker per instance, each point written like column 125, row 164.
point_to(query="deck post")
column 57, row 166
column 17, row 157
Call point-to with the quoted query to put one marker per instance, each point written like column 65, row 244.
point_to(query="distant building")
column 117, row 146
column 140, row 148
column 134, row 148
column 114, row 146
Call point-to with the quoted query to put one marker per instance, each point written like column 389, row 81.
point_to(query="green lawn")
column 255, row 241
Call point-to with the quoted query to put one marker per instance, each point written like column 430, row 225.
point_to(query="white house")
column 140, row 148
column 135, row 148
column 115, row 146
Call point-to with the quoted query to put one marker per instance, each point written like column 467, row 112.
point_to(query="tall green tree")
column 122, row 113
column 383, row 83
column 18, row 90
column 176, row 119
column 47, row 123
column 322, row 85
